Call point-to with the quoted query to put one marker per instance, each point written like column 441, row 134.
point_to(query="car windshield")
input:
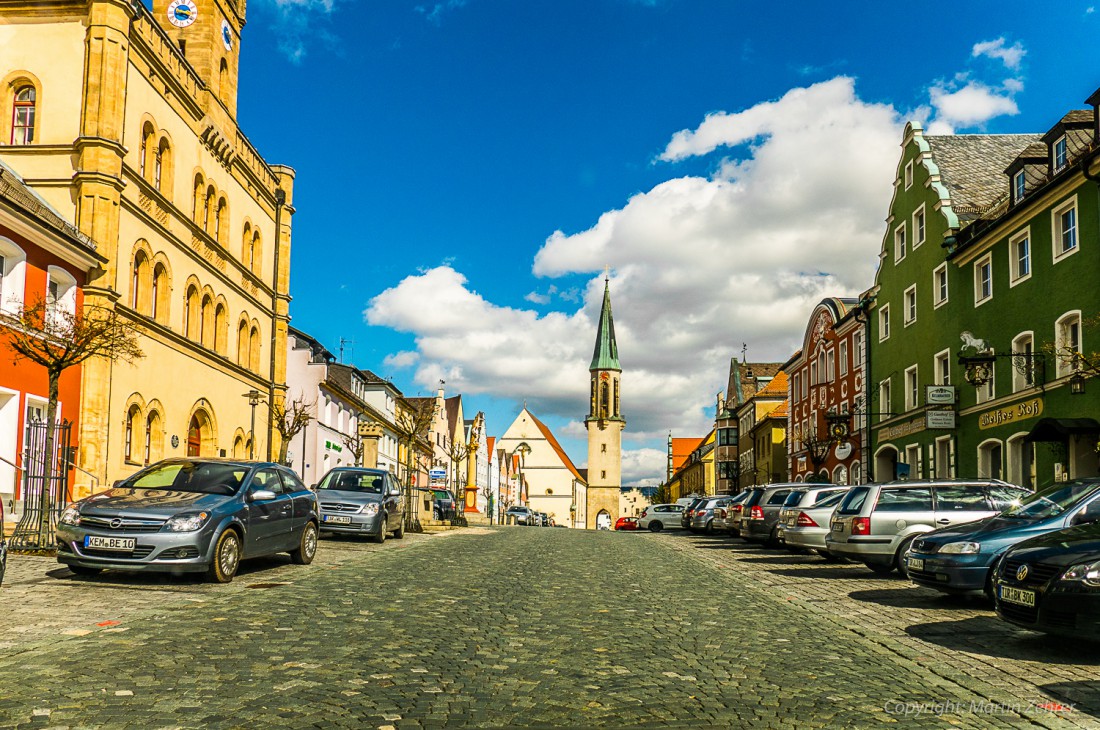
column 1051, row 502
column 794, row 498
column 191, row 476
column 369, row 482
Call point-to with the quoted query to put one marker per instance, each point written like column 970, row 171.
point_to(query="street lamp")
column 255, row 398
column 1077, row 383
column 523, row 450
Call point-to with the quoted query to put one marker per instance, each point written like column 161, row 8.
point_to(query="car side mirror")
column 116, row 484
column 395, row 493
column 261, row 495
column 1090, row 514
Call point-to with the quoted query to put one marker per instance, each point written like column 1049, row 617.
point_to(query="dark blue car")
column 961, row 558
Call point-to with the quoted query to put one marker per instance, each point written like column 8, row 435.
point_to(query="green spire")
column 605, row 356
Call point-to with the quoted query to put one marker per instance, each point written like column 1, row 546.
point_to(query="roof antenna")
column 344, row 341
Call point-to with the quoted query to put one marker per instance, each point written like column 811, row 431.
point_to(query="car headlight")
column 187, row 522
column 71, row 516
column 371, row 509
column 961, row 548
column 1087, row 573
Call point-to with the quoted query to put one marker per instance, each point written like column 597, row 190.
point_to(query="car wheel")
column 899, row 558
column 381, row 536
column 988, row 590
column 400, row 531
column 880, row 568
column 227, row 557
column 84, row 571
column 656, row 526
column 307, row 546
column 773, row 538
column 709, row 529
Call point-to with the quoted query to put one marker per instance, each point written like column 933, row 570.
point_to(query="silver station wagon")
column 361, row 501
column 191, row 515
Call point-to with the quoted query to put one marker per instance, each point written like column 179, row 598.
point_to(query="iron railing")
column 46, row 488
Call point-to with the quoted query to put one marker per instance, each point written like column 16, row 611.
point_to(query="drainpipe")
column 280, row 201
column 865, row 435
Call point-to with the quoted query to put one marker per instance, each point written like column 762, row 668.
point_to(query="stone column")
column 369, row 434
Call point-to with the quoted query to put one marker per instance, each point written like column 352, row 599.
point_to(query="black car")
column 1051, row 583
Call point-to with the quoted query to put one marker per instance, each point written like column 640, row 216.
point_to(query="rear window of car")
column 832, row 499
column 909, row 499
column 794, row 498
column 753, row 498
column 779, row 497
column 826, row 494
column 853, row 502
column 961, row 499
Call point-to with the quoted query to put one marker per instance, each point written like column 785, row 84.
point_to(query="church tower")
column 208, row 33
column 605, row 422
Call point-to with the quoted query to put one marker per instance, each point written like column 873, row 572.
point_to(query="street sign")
column 437, row 473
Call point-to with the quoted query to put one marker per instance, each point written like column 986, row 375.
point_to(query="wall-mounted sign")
column 944, row 418
column 437, row 473
column 902, row 429
column 333, row 446
column 1011, row 414
column 175, row 442
column 939, row 395
column 843, row 450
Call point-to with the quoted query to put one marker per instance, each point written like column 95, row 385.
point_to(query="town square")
column 602, row 363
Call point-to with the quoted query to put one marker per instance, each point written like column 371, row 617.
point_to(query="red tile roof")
column 549, row 435
column 777, row 386
column 682, row 448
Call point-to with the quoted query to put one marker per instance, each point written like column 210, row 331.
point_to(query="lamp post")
column 523, row 450
column 255, row 398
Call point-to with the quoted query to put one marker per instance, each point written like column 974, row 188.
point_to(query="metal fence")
column 46, row 488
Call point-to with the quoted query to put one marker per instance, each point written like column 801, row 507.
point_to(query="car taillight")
column 737, row 507
column 861, row 526
column 720, row 512
column 804, row 520
column 645, row 512
column 690, row 512
column 756, row 513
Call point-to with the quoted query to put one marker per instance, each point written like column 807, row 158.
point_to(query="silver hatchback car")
column 806, row 522
column 191, row 515
column 657, row 517
column 876, row 523
column 361, row 501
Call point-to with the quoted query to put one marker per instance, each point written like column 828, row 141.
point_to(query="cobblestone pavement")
column 525, row 627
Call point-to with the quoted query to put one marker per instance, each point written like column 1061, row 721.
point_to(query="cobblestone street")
column 465, row 629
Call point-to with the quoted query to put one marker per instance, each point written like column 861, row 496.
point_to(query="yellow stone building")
column 605, row 424
column 125, row 120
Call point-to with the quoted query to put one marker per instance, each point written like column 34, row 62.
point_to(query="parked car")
column 443, row 504
column 520, row 514
column 1051, row 583
column 876, row 523
column 723, row 512
column 356, row 500
column 689, row 512
column 806, row 516
column 703, row 518
column 760, row 516
column 191, row 515
column 3, row 545
column 961, row 558
column 626, row 523
column 657, row 517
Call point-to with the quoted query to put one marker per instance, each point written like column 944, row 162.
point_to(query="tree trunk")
column 45, row 525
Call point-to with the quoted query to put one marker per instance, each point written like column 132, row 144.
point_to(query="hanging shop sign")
column 1011, row 414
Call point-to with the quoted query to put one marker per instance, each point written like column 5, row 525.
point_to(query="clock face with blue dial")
column 182, row 13
column 227, row 35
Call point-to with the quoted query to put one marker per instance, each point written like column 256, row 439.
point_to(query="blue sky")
column 467, row 168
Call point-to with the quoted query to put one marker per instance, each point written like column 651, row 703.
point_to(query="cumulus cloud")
column 434, row 13
column 297, row 21
column 644, row 467
column 700, row 264
column 1010, row 56
column 401, row 360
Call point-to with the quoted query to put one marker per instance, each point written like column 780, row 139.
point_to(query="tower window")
column 603, row 475
column 22, row 123
column 603, row 448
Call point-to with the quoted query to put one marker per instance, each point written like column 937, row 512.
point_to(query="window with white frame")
column 857, row 350
column 912, row 458
column 830, row 365
column 943, row 367
column 939, row 285
column 909, row 310
column 884, row 404
column 899, row 243
column 1060, row 154
column 983, row 279
column 1019, row 186
column 908, row 174
column 60, row 297
column 1067, row 342
column 13, row 269
column 1064, row 219
column 919, row 233
column 843, row 351
column 884, row 323
column 945, row 452
column 1023, row 361
column 912, row 397
column 1019, row 253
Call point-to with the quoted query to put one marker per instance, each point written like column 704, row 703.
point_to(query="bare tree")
column 412, row 424
column 51, row 336
column 289, row 418
column 353, row 442
column 457, row 452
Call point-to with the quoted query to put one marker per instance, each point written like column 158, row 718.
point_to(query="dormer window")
column 1019, row 186
column 1060, row 154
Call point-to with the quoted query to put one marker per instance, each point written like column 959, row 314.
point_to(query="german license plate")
column 915, row 563
column 1018, row 596
column 336, row 519
column 838, row 526
column 121, row 544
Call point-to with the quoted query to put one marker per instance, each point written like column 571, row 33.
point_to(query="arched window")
column 221, row 327
column 243, row 357
column 238, row 447
column 23, row 115
column 1067, row 343
column 13, row 272
column 158, row 164
column 223, row 79
column 246, row 246
column 60, row 297
column 254, row 349
column 206, row 322
column 154, row 437
column 133, row 423
column 256, row 261
column 857, row 473
column 159, row 294
column 141, row 295
column 221, row 224
column 990, row 459
column 145, row 149
column 208, row 209
column 191, row 313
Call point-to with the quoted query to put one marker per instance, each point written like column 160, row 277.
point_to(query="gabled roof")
column 605, row 355
column 453, row 407
column 489, row 442
column 370, row 377
column 553, row 441
column 682, row 448
column 971, row 167
column 745, row 379
column 777, row 388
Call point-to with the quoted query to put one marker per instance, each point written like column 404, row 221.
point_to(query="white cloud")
column 296, row 21
column 1010, row 56
column 700, row 265
column 434, row 13
column 401, row 360
column 536, row 298
column 971, row 105
column 644, row 467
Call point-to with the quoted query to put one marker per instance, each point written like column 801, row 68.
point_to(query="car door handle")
column 944, row 522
